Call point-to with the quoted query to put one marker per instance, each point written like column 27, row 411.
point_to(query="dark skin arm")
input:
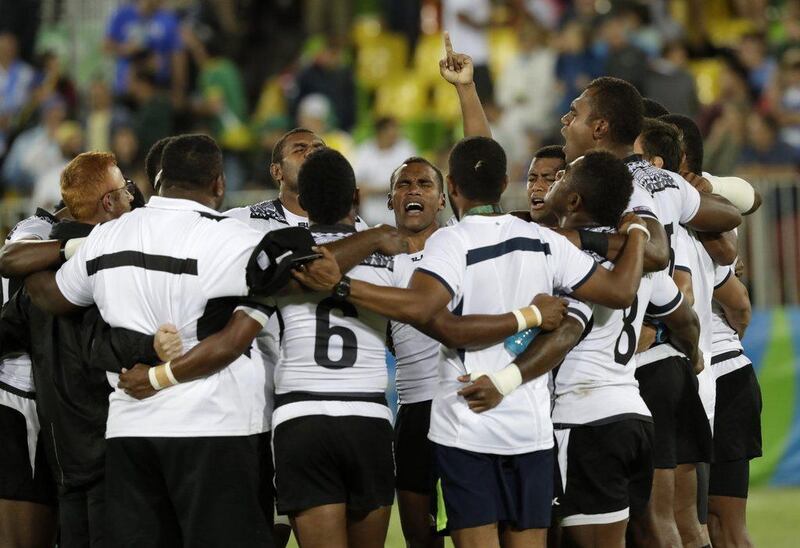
column 544, row 353
column 683, row 280
column 114, row 348
column 25, row 257
column 734, row 299
column 457, row 69
column 656, row 252
column 720, row 246
column 716, row 214
column 45, row 294
column 684, row 332
column 212, row 354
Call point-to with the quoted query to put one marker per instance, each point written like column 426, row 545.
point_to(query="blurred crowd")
column 362, row 73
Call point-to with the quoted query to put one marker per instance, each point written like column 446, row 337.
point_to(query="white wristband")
column 522, row 325
column 506, row 380
column 72, row 246
column 170, row 376
column 636, row 226
column 151, row 374
column 528, row 317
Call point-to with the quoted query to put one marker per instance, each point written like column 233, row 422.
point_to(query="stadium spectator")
column 102, row 116
column 669, row 81
column 375, row 160
column 16, row 81
column 52, row 78
column 47, row 190
column 35, row 151
column 762, row 145
column 467, row 21
column 145, row 27
column 329, row 74
column 153, row 117
column 784, row 98
column 752, row 53
column 576, row 65
column 329, row 17
column 125, row 147
column 623, row 59
column 315, row 112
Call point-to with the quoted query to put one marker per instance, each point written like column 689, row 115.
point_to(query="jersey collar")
column 160, row 202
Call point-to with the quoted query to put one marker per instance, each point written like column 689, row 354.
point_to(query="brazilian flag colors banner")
column 772, row 343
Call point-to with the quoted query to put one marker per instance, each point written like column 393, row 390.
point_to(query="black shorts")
column 737, row 419
column 413, row 451
column 331, row 460
column 21, row 479
column 481, row 489
column 605, row 472
column 682, row 432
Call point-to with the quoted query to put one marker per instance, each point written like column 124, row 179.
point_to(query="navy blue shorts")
column 481, row 489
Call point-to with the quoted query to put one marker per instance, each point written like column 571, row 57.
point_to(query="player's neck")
column 478, row 207
column 578, row 220
column 202, row 198
column 618, row 150
column 416, row 240
column 291, row 202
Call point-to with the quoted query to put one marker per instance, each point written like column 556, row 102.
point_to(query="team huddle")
column 567, row 375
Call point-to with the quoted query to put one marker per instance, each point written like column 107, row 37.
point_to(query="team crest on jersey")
column 268, row 210
column 41, row 220
column 651, row 177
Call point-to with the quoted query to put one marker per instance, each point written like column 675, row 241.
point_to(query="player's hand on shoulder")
column 627, row 220
column 481, row 394
column 136, row 382
column 456, row 67
column 698, row 181
column 167, row 343
column 392, row 242
column 552, row 310
column 320, row 274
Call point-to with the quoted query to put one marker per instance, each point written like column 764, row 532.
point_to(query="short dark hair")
column 620, row 104
column 326, row 185
column 383, row 122
column 478, row 168
column 551, row 151
column 605, row 185
column 691, row 139
column 190, row 161
column 652, row 108
column 152, row 162
column 277, row 150
column 417, row 160
column 662, row 139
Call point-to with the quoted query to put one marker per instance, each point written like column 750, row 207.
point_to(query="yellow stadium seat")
column 445, row 102
column 365, row 29
column 403, row 96
column 728, row 32
column 503, row 46
column 271, row 101
column 706, row 75
column 430, row 49
column 380, row 59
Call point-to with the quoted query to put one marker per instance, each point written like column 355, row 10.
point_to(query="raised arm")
column 457, row 68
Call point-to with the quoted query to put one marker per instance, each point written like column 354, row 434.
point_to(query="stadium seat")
column 403, row 96
column 445, row 104
column 706, row 74
column 503, row 46
column 381, row 58
column 429, row 50
column 366, row 29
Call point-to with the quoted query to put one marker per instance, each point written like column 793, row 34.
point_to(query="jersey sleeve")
column 641, row 203
column 721, row 275
column 445, row 259
column 73, row 278
column 579, row 310
column 690, row 199
column 225, row 255
column 572, row 267
column 665, row 297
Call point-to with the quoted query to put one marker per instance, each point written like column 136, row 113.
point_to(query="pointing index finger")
column 448, row 46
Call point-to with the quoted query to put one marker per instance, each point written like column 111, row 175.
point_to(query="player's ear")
column 218, row 186
column 442, row 202
column 276, row 172
column 357, row 197
column 389, row 201
column 658, row 161
column 574, row 201
column 599, row 129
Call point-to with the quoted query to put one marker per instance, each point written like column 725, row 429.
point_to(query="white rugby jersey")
column 333, row 354
column 165, row 263
column 492, row 265
column 727, row 352
column 16, row 371
column 271, row 215
column 417, row 354
column 596, row 383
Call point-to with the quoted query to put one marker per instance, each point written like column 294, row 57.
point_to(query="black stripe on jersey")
column 726, row 356
column 727, row 277
column 458, row 311
column 653, row 310
column 606, row 420
column 441, row 280
column 211, row 216
column 579, row 315
column 585, row 278
column 489, row 252
column 683, row 268
column 17, row 391
column 294, row 397
column 160, row 263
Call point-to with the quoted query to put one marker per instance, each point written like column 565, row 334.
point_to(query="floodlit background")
column 80, row 75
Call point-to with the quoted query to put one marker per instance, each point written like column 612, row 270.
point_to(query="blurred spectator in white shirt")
column 467, row 21
column 375, row 160
column 47, row 190
column 16, row 83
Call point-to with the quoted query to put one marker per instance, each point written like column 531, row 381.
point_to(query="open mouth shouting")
column 537, row 202
column 413, row 207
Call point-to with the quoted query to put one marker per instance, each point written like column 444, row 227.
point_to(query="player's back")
column 492, row 265
column 331, row 347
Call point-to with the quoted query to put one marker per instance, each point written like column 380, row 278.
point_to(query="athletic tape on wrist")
column 168, row 369
column 533, row 316
column 506, row 380
column 72, row 246
column 522, row 325
column 151, row 374
column 636, row 226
